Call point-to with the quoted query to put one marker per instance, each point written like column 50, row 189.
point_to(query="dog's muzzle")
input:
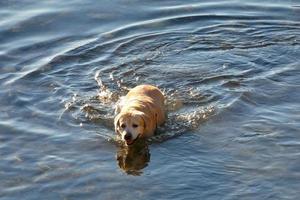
column 128, row 136
column 129, row 140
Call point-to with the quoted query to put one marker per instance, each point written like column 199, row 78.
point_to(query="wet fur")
column 143, row 106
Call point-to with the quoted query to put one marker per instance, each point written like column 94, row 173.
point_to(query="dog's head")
column 131, row 125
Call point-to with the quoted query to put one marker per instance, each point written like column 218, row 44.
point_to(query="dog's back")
column 152, row 94
column 147, row 90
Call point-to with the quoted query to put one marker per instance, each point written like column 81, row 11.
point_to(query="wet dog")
column 139, row 113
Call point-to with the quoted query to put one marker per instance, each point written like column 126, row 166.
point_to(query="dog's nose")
column 127, row 136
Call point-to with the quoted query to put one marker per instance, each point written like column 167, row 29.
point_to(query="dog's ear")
column 116, row 122
column 149, row 124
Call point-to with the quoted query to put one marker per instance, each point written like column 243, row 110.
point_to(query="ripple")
column 229, row 71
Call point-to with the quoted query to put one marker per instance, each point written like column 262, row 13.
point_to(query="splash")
column 180, row 123
column 183, row 115
column 105, row 95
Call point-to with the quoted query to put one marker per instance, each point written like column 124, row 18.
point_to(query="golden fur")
column 139, row 113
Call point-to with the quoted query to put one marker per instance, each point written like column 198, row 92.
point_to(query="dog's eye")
column 123, row 125
column 135, row 125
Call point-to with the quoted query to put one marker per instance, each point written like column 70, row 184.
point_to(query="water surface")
column 230, row 72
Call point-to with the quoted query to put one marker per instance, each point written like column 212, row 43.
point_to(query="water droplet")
column 225, row 65
column 111, row 76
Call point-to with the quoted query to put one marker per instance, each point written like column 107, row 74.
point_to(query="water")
column 230, row 72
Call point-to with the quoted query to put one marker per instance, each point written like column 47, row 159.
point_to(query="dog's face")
column 130, row 126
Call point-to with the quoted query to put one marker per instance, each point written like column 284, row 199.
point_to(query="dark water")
column 230, row 71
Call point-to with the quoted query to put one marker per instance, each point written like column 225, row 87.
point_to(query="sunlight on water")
column 229, row 71
column 100, row 109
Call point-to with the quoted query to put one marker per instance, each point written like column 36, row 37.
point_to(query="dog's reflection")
column 132, row 159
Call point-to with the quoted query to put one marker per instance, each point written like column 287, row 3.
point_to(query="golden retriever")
column 139, row 113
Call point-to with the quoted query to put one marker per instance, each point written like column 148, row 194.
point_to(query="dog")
column 139, row 113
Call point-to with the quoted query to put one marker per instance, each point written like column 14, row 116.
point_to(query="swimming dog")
column 139, row 113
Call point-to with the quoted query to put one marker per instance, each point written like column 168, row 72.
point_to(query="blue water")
column 230, row 71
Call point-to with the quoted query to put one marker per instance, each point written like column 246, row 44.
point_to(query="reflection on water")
column 229, row 71
column 134, row 158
